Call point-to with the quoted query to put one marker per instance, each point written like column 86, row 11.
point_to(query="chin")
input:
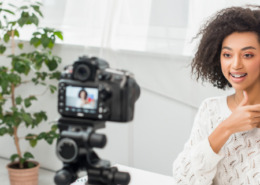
column 238, row 87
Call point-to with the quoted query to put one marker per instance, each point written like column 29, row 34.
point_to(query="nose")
column 237, row 63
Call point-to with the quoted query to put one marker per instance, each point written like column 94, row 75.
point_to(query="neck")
column 253, row 96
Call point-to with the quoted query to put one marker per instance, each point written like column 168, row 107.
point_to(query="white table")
column 138, row 177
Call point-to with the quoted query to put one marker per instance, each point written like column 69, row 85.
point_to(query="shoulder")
column 214, row 101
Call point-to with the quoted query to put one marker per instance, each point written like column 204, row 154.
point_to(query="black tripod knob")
column 108, row 176
column 122, row 178
column 64, row 177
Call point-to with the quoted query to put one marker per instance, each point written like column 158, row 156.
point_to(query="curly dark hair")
column 85, row 95
column 206, row 63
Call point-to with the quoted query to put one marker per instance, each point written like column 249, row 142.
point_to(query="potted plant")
column 33, row 64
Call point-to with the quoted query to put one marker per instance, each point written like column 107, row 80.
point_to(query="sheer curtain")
column 155, row 26
column 147, row 25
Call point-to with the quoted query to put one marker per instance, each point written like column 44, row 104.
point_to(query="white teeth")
column 238, row 75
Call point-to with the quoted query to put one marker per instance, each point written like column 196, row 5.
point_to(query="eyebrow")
column 245, row 48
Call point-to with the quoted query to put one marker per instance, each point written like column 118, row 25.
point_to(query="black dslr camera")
column 89, row 94
column 90, row 89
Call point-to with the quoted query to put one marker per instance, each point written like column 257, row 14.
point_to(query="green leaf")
column 51, row 44
column 12, row 5
column 49, row 140
column 3, row 131
column 35, row 41
column 27, row 101
column 22, row 160
column 54, row 127
column 34, row 19
column 24, row 19
column 55, row 75
column 27, row 118
column 16, row 33
column 21, row 64
column 40, row 116
column 14, row 157
column 37, row 9
column 39, row 3
column 6, row 37
column 20, row 45
column 45, row 41
column 33, row 142
column 14, row 78
column 2, row 49
column 52, row 88
column 58, row 34
column 36, row 33
column 18, row 100
column 23, row 7
column 27, row 155
column 8, row 11
column 41, row 135
column 30, row 164
column 51, row 64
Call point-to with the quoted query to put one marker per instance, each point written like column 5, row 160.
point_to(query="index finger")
column 253, row 108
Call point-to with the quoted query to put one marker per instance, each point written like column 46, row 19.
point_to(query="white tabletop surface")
column 138, row 177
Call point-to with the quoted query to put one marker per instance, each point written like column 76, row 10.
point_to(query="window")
column 147, row 25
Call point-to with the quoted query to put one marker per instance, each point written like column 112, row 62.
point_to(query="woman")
column 224, row 145
column 83, row 95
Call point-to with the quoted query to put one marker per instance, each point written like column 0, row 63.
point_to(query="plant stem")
column 13, row 43
column 15, row 128
column 16, row 138
column 16, row 141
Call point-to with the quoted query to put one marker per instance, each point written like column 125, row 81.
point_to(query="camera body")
column 89, row 89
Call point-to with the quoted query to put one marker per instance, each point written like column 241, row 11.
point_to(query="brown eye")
column 226, row 55
column 248, row 55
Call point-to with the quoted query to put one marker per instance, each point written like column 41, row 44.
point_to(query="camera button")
column 105, row 110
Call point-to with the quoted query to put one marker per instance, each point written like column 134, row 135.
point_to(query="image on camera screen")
column 80, row 99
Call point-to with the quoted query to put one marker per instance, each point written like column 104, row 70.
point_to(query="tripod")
column 75, row 150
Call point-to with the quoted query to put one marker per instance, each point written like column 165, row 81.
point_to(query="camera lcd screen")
column 83, row 100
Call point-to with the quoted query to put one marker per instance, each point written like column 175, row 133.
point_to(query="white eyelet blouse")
column 238, row 161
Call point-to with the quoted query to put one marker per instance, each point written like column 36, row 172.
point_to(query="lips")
column 238, row 77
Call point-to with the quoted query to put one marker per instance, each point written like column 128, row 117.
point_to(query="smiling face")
column 240, row 60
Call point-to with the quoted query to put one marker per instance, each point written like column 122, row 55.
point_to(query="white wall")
column 163, row 116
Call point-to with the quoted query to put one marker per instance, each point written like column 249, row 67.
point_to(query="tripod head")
column 75, row 150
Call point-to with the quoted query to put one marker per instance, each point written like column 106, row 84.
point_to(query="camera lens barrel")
column 81, row 72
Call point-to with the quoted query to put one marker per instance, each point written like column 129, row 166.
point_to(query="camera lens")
column 81, row 72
